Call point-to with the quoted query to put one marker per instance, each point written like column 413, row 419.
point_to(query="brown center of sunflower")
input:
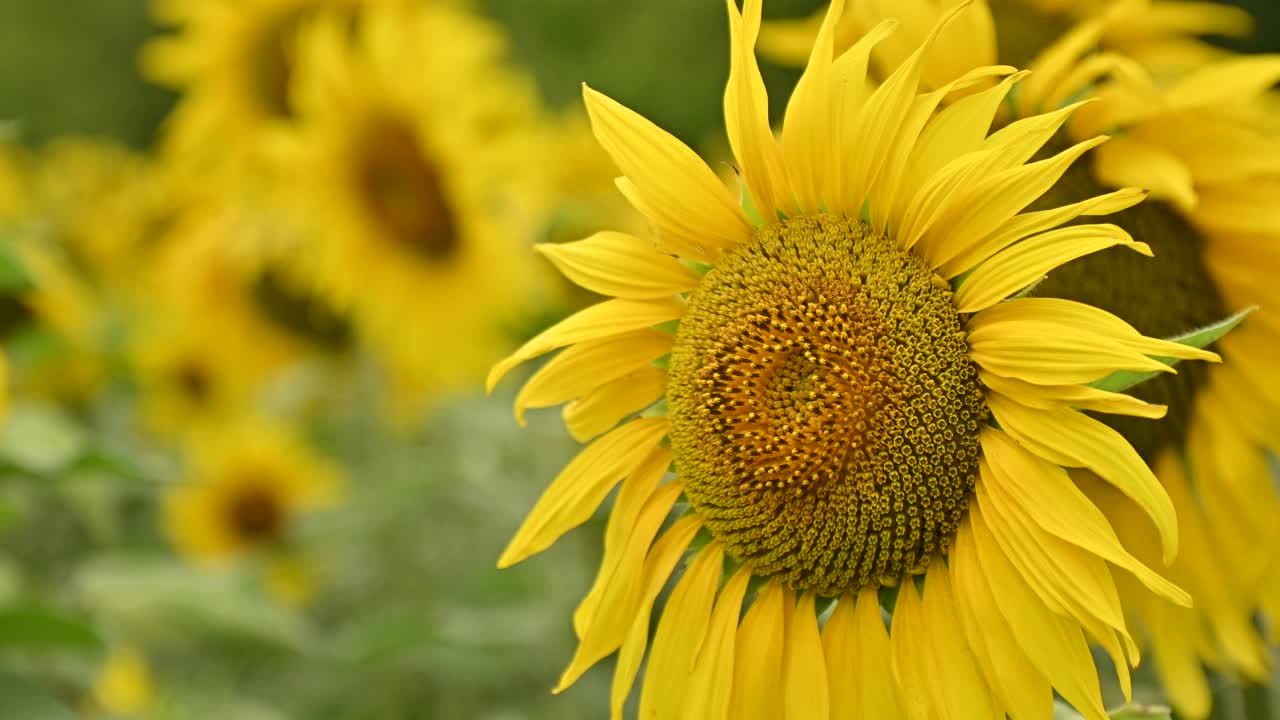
column 193, row 382
column 299, row 312
column 1167, row 295
column 255, row 514
column 824, row 408
column 402, row 191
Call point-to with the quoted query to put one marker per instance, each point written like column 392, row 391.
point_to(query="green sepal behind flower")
column 1200, row 338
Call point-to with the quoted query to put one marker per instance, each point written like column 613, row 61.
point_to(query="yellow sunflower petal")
column 746, row 117
column 958, row 129
column 849, row 73
column 1047, row 353
column 658, row 564
column 1248, row 206
column 637, row 513
column 855, row 644
column 992, row 201
column 911, row 660
column 587, row 365
column 1083, row 397
column 1089, row 71
column 606, row 319
column 681, row 195
column 807, row 131
column 605, row 615
column 1083, row 317
column 804, row 671
column 1052, row 643
column 890, row 196
column 1072, row 581
column 964, row 689
column 1027, row 224
column 1025, row 691
column 1215, row 150
column 1129, row 161
column 1225, row 82
column 956, row 184
column 621, row 265
column 709, row 691
column 578, row 490
column 1177, row 662
column 603, row 407
column 1047, row 496
column 874, row 126
column 1018, row 266
column 679, row 637
column 758, row 656
column 1055, row 63
column 1071, row 439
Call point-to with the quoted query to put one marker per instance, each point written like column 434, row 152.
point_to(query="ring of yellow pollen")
column 824, row 408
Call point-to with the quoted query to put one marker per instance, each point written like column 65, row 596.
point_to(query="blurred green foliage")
column 68, row 67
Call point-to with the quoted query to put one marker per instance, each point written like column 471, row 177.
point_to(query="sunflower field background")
column 248, row 466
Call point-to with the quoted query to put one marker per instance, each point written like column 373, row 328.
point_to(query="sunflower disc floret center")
column 824, row 408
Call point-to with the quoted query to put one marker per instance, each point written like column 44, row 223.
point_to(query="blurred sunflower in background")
column 1195, row 126
column 829, row 382
column 248, row 484
column 234, row 62
column 424, row 183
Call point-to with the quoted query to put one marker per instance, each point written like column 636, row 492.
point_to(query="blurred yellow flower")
column 205, row 351
column 13, row 180
column 422, row 192
column 106, row 206
column 78, row 319
column 1196, row 127
column 124, row 685
column 247, row 484
column 93, row 215
column 235, row 64
column 825, row 398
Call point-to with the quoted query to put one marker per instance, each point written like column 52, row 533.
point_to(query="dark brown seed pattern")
column 824, row 408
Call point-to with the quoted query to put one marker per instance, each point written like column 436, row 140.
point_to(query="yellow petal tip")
column 510, row 557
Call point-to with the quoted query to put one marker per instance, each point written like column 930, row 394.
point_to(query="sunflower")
column 93, row 212
column 860, row 408
column 124, row 686
column 234, row 62
column 417, row 193
column 248, row 484
column 1197, row 129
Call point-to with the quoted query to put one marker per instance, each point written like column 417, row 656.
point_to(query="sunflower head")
column 423, row 186
column 247, row 487
column 824, row 409
column 858, row 394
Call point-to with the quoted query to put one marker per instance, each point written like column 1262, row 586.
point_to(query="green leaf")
column 40, row 628
column 25, row 701
column 13, row 276
column 1202, row 338
column 40, row 438
column 154, row 594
